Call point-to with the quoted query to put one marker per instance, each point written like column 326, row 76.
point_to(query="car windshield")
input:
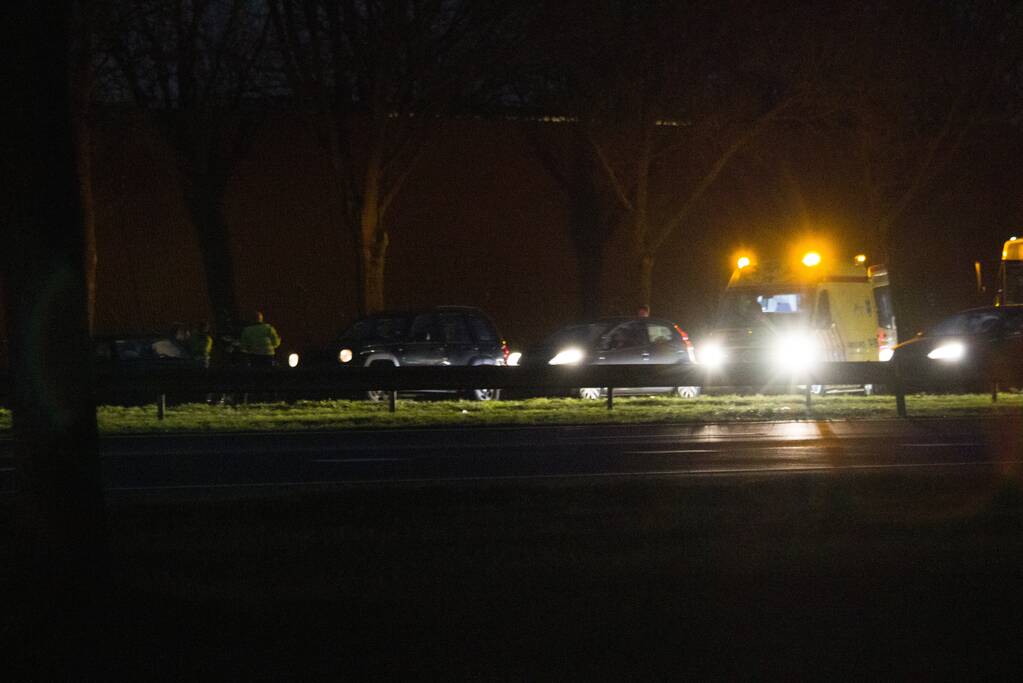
column 971, row 322
column 583, row 335
column 381, row 327
column 751, row 308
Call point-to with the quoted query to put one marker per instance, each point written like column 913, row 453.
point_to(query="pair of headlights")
column 790, row 352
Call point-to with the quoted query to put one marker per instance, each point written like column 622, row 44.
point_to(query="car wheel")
column 687, row 392
column 590, row 393
column 485, row 394
column 378, row 395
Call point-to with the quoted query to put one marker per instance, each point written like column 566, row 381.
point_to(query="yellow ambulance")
column 793, row 313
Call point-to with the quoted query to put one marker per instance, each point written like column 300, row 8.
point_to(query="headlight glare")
column 345, row 355
column 885, row 355
column 711, row 354
column 514, row 357
column 796, row 351
column 293, row 360
column 568, row 356
column 952, row 352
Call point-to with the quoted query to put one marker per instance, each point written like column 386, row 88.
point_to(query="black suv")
column 446, row 335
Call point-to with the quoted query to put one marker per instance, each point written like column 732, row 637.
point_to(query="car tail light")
column 505, row 350
column 689, row 345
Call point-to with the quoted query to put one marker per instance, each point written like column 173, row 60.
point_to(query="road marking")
column 940, row 444
column 672, row 452
column 594, row 475
column 337, row 460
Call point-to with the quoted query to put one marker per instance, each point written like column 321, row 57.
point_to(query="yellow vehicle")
column 794, row 313
column 1010, row 273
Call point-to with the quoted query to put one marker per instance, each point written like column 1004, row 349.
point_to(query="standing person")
column 200, row 344
column 259, row 343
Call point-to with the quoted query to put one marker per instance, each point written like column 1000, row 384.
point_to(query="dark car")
column 140, row 354
column 617, row 341
column 446, row 335
column 963, row 349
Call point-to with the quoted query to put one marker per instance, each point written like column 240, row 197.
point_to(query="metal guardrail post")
column 392, row 401
column 994, row 391
column 809, row 396
column 900, row 393
column 610, row 398
column 161, row 406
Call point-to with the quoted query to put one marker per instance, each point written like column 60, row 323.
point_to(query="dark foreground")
column 877, row 572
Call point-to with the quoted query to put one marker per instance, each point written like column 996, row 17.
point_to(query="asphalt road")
column 206, row 464
column 884, row 549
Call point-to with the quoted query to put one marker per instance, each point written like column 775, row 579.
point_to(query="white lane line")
column 803, row 447
column 337, row 460
column 672, row 452
column 595, row 475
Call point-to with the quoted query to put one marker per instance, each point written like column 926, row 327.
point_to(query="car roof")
column 419, row 311
column 131, row 336
column 621, row 319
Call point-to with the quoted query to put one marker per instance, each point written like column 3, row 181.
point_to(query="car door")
column 624, row 344
column 666, row 345
column 458, row 343
column 426, row 342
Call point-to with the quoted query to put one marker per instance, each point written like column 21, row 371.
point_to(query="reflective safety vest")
column 260, row 339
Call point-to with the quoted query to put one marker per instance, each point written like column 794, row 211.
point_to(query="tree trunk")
column 588, row 238
column 83, row 144
column 374, row 258
column 60, row 519
column 374, row 241
column 646, row 280
column 82, row 79
column 205, row 201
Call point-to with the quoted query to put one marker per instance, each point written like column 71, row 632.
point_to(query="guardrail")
column 315, row 383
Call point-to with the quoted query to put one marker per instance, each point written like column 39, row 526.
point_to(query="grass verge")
column 301, row 415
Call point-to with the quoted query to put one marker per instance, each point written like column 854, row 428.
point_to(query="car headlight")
column 885, row 355
column 345, row 355
column 567, row 357
column 796, row 351
column 711, row 354
column 293, row 360
column 513, row 358
column 951, row 352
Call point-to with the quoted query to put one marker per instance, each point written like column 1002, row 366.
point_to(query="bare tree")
column 911, row 97
column 372, row 77
column 663, row 99
column 193, row 66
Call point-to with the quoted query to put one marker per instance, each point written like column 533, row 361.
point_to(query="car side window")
column 628, row 335
column 454, row 329
column 424, row 328
column 983, row 322
column 658, row 334
column 483, row 330
column 167, row 348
